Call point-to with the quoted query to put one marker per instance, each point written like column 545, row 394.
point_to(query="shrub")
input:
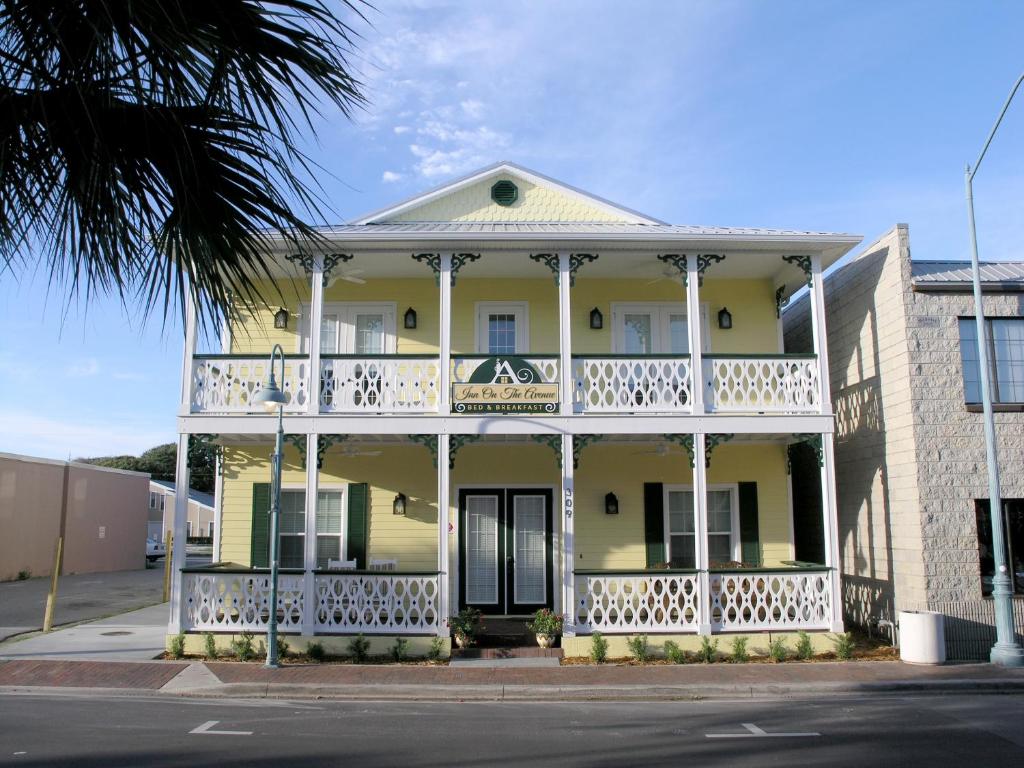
column 210, row 645
column 359, row 647
column 283, row 648
column 315, row 652
column 178, row 645
column 598, row 648
column 844, row 646
column 400, row 649
column 465, row 624
column 804, row 649
column 638, row 648
column 708, row 650
column 24, row 575
column 546, row 622
column 243, row 647
column 674, row 653
column 777, row 650
column 436, row 648
column 739, row 650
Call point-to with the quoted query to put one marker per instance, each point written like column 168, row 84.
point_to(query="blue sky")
column 812, row 115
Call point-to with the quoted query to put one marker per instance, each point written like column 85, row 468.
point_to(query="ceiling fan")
column 662, row 449
column 350, row 450
column 668, row 272
column 348, row 275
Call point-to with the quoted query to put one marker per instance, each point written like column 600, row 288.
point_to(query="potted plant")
column 546, row 625
column 464, row 626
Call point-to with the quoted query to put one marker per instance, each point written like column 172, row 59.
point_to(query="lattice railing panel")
column 228, row 384
column 783, row 600
column 240, row 601
column 392, row 603
column 464, row 367
column 770, row 384
column 379, row 385
column 617, row 384
column 637, row 602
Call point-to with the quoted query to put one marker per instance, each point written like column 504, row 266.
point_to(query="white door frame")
column 346, row 325
column 659, row 310
column 521, row 311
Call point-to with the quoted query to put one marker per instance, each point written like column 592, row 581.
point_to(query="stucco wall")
column 31, row 493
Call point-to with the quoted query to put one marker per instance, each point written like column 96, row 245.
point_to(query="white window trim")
column 620, row 308
column 341, row 488
column 521, row 310
column 734, row 517
column 346, row 328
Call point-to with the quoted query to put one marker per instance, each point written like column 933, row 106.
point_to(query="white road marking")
column 756, row 733
column 205, row 728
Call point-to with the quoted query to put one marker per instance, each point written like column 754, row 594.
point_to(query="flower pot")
column 545, row 641
column 462, row 640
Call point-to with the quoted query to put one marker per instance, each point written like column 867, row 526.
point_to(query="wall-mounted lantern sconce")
column 611, row 504
column 281, row 318
column 410, row 319
column 596, row 319
column 398, row 507
column 724, row 319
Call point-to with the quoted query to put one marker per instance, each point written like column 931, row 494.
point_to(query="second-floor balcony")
column 602, row 384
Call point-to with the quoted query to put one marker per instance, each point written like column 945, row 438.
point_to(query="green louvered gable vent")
column 504, row 192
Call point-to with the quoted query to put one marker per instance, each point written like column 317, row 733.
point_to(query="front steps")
column 505, row 640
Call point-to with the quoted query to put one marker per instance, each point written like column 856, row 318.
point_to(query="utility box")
column 922, row 637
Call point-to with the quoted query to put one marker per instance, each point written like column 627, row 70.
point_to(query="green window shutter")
column 654, row 523
column 358, row 502
column 260, row 552
column 750, row 545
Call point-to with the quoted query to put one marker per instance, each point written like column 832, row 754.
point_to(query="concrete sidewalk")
column 570, row 683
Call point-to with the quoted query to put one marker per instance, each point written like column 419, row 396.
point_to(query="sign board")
column 505, row 385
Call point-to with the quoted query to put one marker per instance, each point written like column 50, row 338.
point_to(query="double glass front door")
column 505, row 550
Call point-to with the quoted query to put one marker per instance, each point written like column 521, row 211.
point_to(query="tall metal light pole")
column 1006, row 652
column 273, row 398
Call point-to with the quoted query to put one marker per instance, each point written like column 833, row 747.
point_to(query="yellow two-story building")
column 509, row 394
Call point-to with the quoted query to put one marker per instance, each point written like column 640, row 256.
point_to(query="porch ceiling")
column 370, row 442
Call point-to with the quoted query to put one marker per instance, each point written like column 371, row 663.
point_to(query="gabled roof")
column 505, row 169
column 205, row 499
column 996, row 276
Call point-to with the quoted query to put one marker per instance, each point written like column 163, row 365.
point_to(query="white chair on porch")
column 383, row 565
column 341, row 565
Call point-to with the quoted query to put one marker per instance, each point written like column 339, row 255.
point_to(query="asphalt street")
column 48, row 730
column 81, row 597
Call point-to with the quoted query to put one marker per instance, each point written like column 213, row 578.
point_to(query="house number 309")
column 567, row 502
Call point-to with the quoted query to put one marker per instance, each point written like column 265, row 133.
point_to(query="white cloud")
column 389, row 177
column 400, row 129
column 26, row 432
column 472, row 108
column 83, row 368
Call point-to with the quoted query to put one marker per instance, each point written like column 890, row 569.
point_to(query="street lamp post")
column 1006, row 652
column 273, row 399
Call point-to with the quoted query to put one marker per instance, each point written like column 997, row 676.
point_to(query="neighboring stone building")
column 910, row 453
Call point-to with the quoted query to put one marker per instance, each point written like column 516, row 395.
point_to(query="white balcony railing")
column 379, row 384
column 627, row 384
column 228, row 383
column 393, row 603
column 227, row 601
column 612, row 601
column 771, row 600
column 762, row 383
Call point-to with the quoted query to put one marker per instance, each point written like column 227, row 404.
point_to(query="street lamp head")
column 270, row 396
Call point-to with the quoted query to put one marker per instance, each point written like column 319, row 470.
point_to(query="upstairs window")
column 1005, row 346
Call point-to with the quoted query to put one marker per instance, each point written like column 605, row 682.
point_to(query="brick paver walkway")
column 88, row 674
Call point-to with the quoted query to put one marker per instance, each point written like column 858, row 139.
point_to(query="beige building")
column 201, row 520
column 98, row 511
column 910, row 453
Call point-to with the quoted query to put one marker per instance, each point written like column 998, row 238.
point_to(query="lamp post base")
column 271, row 665
column 1007, row 655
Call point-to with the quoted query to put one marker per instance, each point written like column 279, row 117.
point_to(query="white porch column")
column 567, row 395
column 700, row 527
column 568, row 539
column 829, row 509
column 316, row 313
column 309, row 556
column 189, row 351
column 445, row 565
column 445, row 320
column 693, row 321
column 218, row 504
column 181, row 483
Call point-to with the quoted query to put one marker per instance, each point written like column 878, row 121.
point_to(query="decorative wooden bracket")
column 705, row 260
column 551, row 259
column 579, row 442
column 677, row 260
column 803, row 263
column 299, row 441
column 433, row 260
column 330, row 261
column 323, row 442
column 813, row 439
column 428, row 441
column 459, row 260
column 684, row 440
column 554, row 442
column 455, row 443
column 576, row 260
column 780, row 300
column 711, row 441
